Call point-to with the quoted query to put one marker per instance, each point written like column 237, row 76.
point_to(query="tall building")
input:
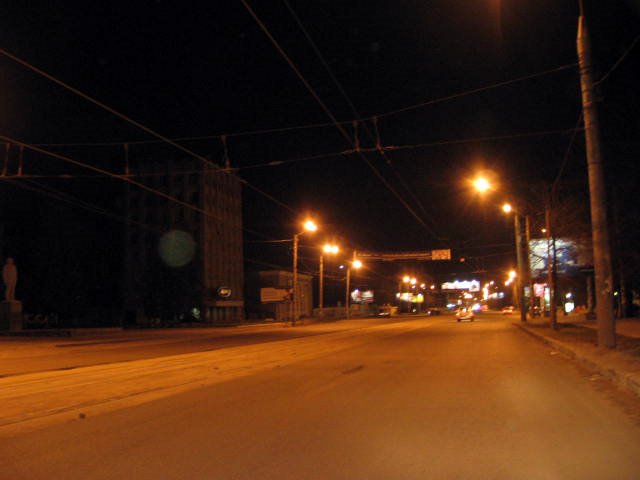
column 183, row 258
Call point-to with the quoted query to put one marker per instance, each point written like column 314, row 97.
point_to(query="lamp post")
column 333, row 249
column 520, row 277
column 551, row 266
column 355, row 264
column 309, row 226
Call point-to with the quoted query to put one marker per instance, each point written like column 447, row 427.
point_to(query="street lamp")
column 521, row 276
column 327, row 248
column 481, row 184
column 308, row 226
column 355, row 264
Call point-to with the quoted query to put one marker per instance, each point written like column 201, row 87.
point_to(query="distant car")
column 431, row 311
column 465, row 313
column 536, row 312
column 507, row 310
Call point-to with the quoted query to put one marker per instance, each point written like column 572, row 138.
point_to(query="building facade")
column 183, row 243
column 279, row 309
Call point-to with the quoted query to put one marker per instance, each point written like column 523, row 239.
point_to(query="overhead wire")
column 565, row 160
column 290, row 128
column 137, row 124
column 618, row 62
column 120, row 177
column 277, row 163
column 478, row 90
column 355, row 112
column 327, row 111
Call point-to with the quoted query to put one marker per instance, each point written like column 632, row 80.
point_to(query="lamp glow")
column 310, row 226
column 481, row 184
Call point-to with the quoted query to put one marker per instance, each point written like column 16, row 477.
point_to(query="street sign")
column 270, row 294
column 443, row 254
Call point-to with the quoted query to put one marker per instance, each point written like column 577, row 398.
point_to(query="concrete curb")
column 589, row 360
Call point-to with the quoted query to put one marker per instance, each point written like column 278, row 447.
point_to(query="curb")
column 625, row 380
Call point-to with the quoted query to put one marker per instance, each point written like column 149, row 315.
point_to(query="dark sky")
column 194, row 69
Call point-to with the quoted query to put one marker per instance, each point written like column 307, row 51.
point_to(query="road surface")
column 414, row 398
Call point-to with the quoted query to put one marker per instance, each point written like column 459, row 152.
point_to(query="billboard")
column 362, row 296
column 571, row 256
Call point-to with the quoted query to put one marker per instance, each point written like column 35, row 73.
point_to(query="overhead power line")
column 431, row 229
column 328, row 112
column 618, row 62
column 137, row 124
column 266, row 131
column 119, row 177
column 477, row 90
column 321, row 156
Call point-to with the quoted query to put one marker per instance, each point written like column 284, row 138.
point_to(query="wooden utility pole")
column 520, row 277
column 597, row 194
column 551, row 266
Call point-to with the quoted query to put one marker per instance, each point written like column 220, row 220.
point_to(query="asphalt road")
column 422, row 398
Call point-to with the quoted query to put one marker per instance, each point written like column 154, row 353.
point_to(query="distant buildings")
column 183, row 258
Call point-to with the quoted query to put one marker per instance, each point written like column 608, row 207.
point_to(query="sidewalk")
column 577, row 339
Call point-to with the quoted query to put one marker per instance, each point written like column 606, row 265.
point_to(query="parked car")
column 465, row 313
column 507, row 310
column 431, row 311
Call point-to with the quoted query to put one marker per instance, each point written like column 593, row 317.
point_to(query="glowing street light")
column 329, row 249
column 507, row 208
column 308, row 226
column 355, row 264
column 481, row 184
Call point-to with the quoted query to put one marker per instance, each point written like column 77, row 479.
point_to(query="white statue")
column 10, row 278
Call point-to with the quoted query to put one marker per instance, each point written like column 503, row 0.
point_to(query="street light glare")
column 406, row 279
column 310, row 226
column 481, row 184
column 512, row 274
column 330, row 248
column 507, row 208
column 357, row 264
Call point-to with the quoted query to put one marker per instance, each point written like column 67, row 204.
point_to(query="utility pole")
column 527, row 239
column 294, row 290
column 597, row 193
column 346, row 296
column 321, row 286
column 551, row 266
column 520, row 277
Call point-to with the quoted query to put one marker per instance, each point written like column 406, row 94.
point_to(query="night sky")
column 195, row 70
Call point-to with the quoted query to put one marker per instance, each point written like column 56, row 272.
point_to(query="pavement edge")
column 625, row 380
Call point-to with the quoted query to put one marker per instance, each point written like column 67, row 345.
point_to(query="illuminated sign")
column 224, row 292
column 444, row 254
column 570, row 256
column 471, row 285
column 360, row 296
column 410, row 297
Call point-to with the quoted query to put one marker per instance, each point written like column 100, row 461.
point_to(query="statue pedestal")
column 11, row 315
